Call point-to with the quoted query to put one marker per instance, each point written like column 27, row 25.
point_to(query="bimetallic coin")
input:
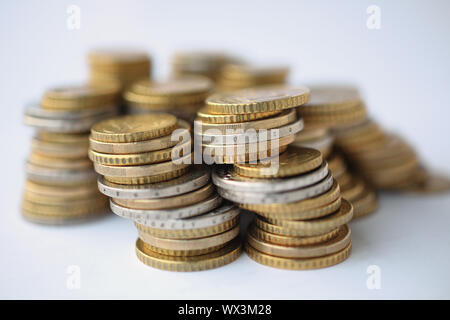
column 194, row 179
column 336, row 244
column 134, row 128
column 170, row 202
column 146, row 217
column 293, row 162
column 298, row 264
column 278, row 197
column 227, row 178
column 216, row 259
column 264, row 99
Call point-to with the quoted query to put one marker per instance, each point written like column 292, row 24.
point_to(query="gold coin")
column 137, row 159
column 336, row 165
column 190, row 244
column 181, row 200
column 433, row 183
column 309, row 227
column 353, row 117
column 206, row 117
column 144, row 170
column 216, row 259
column 61, row 219
column 118, row 59
column 264, row 99
column 331, row 98
column 52, row 200
column 63, row 138
column 148, row 249
column 292, row 208
column 190, row 233
column 354, row 189
column 305, row 214
column 134, row 128
column 148, row 179
column 292, row 162
column 67, row 209
column 311, row 134
column 74, row 192
column 79, row 97
column 286, row 117
column 366, row 203
column 164, row 142
column 298, row 264
column 59, row 163
column 331, row 246
column 291, row 241
column 60, row 150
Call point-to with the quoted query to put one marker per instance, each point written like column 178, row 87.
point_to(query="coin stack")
column 61, row 183
column 249, row 124
column 183, row 224
column 182, row 96
column 118, row 67
column 335, row 108
column 301, row 218
column 208, row 64
column 241, row 76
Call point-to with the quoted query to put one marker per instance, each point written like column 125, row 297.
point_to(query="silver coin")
column 225, row 178
column 35, row 111
column 145, row 217
column 225, row 212
column 48, row 175
column 278, row 197
column 65, row 125
column 251, row 136
column 194, row 179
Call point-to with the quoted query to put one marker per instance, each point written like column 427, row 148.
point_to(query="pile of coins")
column 118, row 67
column 333, row 108
column 183, row 224
column 241, row 76
column 208, row 64
column 61, row 183
column 182, row 96
column 249, row 124
column 301, row 218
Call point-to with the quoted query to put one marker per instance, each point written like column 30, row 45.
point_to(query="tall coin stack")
column 207, row 63
column 182, row 96
column 182, row 223
column 248, row 125
column 118, row 67
column 301, row 219
column 241, row 76
column 61, row 183
column 335, row 108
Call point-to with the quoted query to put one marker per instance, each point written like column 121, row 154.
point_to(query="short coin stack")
column 118, row 67
column 248, row 125
column 335, row 108
column 183, row 224
column 241, row 76
column 61, row 183
column 182, row 96
column 301, row 219
column 208, row 64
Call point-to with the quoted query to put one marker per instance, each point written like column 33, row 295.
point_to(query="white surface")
column 403, row 69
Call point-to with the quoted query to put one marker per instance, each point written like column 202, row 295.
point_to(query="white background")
column 403, row 70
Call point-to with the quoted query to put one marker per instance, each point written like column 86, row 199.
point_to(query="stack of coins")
column 61, row 183
column 208, row 64
column 118, row 67
column 338, row 108
column 183, row 224
column 301, row 219
column 241, row 76
column 248, row 125
column 316, row 138
column 182, row 96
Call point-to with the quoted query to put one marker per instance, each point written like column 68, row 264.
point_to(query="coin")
column 227, row 178
column 278, row 197
column 206, row 117
column 148, row 179
column 179, row 253
column 330, row 98
column 365, row 203
column 58, row 149
column 336, row 244
column 114, row 58
column 146, row 217
column 68, row 192
column 52, row 176
column 294, row 161
column 216, row 259
column 65, row 210
column 265, row 99
column 298, row 264
column 168, row 203
column 59, row 163
column 192, row 180
column 181, row 133
column 134, row 128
